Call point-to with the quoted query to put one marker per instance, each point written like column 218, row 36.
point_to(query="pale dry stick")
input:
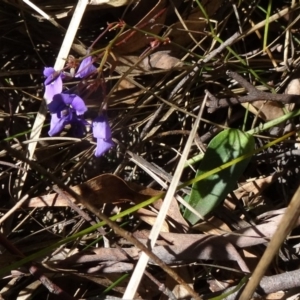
column 141, row 265
column 286, row 225
column 114, row 3
column 55, row 138
column 37, row 9
column 59, row 64
column 17, row 206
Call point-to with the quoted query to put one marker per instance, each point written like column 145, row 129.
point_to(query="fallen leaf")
column 106, row 188
column 254, row 187
column 213, row 226
column 268, row 110
column 131, row 41
column 161, row 60
column 174, row 216
column 184, row 248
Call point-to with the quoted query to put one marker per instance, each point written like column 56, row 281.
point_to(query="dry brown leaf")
column 213, row 226
column 161, row 60
column 125, row 62
column 128, row 43
column 179, row 35
column 184, row 248
column 175, row 217
column 106, row 188
column 279, row 295
column 250, row 190
column 254, row 187
column 268, row 110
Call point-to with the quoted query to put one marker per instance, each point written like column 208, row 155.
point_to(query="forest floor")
column 178, row 120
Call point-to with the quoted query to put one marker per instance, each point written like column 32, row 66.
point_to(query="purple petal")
column 58, row 123
column 101, row 128
column 65, row 98
column 71, row 99
column 48, row 71
column 55, row 87
column 102, row 146
column 57, row 104
column 86, row 67
column 79, row 105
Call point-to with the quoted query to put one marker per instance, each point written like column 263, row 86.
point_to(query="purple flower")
column 102, row 132
column 86, row 68
column 62, row 99
column 53, row 84
column 59, row 120
column 68, row 116
column 67, row 109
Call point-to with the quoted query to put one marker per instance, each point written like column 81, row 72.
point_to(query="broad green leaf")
column 211, row 191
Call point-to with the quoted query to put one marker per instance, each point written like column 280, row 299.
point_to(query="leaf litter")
column 152, row 67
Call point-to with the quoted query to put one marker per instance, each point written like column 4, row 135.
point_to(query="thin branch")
column 254, row 95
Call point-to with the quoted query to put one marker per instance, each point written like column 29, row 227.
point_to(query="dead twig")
column 34, row 271
column 254, row 95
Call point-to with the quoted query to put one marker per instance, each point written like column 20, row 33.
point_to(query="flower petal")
column 57, row 104
column 86, row 67
column 79, row 105
column 48, row 71
column 102, row 146
column 101, row 128
column 57, row 124
column 55, row 87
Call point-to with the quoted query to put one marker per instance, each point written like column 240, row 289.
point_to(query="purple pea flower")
column 53, row 84
column 102, row 132
column 86, row 67
column 67, row 109
column 67, row 99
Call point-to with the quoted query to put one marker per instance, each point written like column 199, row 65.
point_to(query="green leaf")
column 211, row 191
